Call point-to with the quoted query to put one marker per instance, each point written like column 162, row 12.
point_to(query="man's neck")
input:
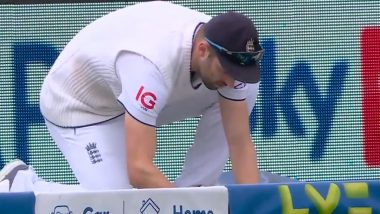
column 194, row 57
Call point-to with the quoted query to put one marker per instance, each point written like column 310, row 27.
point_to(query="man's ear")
column 203, row 48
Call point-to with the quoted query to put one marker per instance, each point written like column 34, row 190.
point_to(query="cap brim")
column 242, row 73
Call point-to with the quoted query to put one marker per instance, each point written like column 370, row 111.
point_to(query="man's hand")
column 141, row 149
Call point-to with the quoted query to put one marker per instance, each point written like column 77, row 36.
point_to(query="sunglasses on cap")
column 242, row 58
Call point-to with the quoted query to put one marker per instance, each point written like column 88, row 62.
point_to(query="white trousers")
column 97, row 153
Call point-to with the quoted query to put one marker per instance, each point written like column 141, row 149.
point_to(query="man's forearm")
column 244, row 163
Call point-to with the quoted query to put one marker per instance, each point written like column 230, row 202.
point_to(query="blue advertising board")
column 17, row 203
column 306, row 198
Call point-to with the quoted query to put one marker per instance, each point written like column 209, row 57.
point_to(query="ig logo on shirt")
column 146, row 98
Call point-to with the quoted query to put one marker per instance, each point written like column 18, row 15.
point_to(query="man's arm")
column 141, row 149
column 235, row 117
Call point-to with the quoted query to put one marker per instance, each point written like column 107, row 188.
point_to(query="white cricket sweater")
column 82, row 86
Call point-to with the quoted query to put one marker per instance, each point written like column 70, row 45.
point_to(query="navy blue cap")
column 236, row 41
